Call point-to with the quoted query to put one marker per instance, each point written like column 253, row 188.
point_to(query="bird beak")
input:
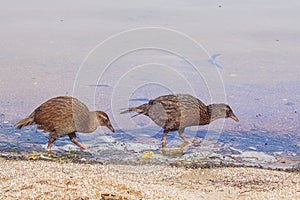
column 232, row 116
column 111, row 128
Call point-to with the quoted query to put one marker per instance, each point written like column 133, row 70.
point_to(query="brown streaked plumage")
column 65, row 115
column 176, row 112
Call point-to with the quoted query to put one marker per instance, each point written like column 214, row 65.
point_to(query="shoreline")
column 32, row 179
column 285, row 164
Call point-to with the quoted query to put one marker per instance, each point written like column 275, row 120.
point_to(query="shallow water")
column 255, row 148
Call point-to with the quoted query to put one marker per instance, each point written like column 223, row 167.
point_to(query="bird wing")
column 165, row 111
column 59, row 114
column 177, row 111
column 192, row 110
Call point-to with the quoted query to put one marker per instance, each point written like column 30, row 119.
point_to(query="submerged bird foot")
column 173, row 152
column 196, row 142
column 189, row 142
column 185, row 143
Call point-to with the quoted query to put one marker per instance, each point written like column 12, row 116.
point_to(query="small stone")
column 278, row 153
column 252, row 148
column 18, row 134
column 292, row 154
column 236, row 150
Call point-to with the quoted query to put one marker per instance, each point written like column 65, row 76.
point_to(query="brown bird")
column 64, row 116
column 176, row 112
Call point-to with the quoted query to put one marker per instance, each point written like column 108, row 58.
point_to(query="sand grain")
column 54, row 180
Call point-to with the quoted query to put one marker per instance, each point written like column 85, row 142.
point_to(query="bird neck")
column 86, row 123
column 214, row 112
column 93, row 122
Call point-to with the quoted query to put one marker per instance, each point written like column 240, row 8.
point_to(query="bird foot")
column 185, row 143
column 173, row 152
column 188, row 142
column 196, row 142
column 163, row 145
column 84, row 147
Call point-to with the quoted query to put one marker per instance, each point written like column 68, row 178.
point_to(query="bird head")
column 104, row 120
column 230, row 114
column 221, row 111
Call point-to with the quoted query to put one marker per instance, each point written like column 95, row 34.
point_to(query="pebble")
column 237, row 150
column 292, row 154
column 18, row 134
column 252, row 148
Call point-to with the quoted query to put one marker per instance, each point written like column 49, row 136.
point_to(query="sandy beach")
column 54, row 180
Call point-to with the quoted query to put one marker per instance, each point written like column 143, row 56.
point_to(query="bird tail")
column 25, row 122
column 142, row 109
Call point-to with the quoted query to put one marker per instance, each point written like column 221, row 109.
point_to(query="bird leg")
column 181, row 134
column 50, row 142
column 72, row 137
column 164, row 139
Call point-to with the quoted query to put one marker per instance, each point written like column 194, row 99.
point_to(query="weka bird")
column 176, row 112
column 64, row 116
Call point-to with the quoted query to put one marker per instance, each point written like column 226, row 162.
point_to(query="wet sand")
column 55, row 180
